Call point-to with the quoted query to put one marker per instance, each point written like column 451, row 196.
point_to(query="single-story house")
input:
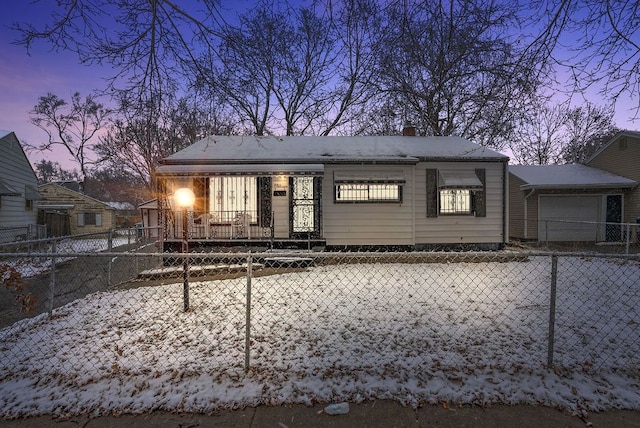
column 621, row 156
column 566, row 203
column 335, row 192
column 18, row 192
column 67, row 212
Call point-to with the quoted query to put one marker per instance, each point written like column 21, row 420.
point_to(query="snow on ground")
column 415, row 333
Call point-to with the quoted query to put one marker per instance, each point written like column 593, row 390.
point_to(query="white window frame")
column 230, row 195
column 455, row 202
column 367, row 193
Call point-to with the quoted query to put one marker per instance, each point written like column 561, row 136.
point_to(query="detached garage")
column 566, row 203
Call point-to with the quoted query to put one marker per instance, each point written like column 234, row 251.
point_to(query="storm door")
column 305, row 206
column 614, row 218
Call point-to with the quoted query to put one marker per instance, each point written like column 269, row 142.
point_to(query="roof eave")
column 577, row 186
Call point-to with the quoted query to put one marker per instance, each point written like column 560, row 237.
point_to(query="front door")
column 305, row 207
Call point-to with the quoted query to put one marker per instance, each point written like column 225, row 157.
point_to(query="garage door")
column 569, row 217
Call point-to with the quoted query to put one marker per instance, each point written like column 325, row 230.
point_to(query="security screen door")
column 305, row 200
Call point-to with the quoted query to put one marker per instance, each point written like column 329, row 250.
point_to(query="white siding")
column 377, row 223
column 461, row 229
column 16, row 172
column 280, row 207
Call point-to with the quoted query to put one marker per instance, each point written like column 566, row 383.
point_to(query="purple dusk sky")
column 24, row 78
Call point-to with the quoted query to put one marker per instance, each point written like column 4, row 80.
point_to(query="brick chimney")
column 409, row 130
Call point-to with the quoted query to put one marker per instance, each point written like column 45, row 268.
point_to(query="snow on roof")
column 121, row 206
column 332, row 149
column 574, row 176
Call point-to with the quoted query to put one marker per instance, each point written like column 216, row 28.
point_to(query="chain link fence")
column 568, row 235
column 22, row 233
column 96, row 315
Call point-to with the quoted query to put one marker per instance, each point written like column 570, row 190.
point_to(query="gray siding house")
column 337, row 192
column 18, row 191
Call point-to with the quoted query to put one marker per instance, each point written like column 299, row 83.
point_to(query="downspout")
column 505, row 202
column 413, row 205
column 526, row 213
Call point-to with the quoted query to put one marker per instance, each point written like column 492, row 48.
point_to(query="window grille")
column 365, row 192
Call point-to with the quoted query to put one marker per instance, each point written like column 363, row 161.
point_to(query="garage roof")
column 573, row 176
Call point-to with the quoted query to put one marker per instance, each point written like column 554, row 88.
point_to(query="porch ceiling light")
column 184, row 197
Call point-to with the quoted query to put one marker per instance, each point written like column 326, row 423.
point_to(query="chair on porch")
column 241, row 224
column 206, row 225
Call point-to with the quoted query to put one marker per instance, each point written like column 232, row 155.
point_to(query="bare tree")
column 540, row 137
column 71, row 125
column 456, row 68
column 296, row 70
column 274, row 68
column 244, row 76
column 555, row 134
column 597, row 41
column 143, row 134
column 356, row 24
column 587, row 128
column 147, row 43
column 48, row 171
column 117, row 185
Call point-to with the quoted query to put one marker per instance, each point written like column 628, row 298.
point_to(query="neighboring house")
column 67, row 212
column 566, row 203
column 150, row 218
column 18, row 191
column 404, row 192
column 621, row 156
column 126, row 214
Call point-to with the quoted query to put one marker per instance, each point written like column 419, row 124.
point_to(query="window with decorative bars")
column 231, row 196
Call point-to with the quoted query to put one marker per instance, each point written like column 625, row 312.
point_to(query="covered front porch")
column 265, row 206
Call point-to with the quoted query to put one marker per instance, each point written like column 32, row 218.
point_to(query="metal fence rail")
column 606, row 237
column 22, row 233
column 326, row 314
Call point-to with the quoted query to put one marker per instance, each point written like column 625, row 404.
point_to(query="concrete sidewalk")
column 375, row 414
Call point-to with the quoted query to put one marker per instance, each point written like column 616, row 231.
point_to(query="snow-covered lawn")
column 416, row 333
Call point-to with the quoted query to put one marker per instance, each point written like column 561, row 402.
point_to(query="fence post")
column 546, row 233
column 247, row 338
column 110, row 241
column 111, row 259
column 552, row 309
column 627, row 241
column 52, row 277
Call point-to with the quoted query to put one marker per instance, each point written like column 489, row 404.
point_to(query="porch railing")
column 220, row 225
